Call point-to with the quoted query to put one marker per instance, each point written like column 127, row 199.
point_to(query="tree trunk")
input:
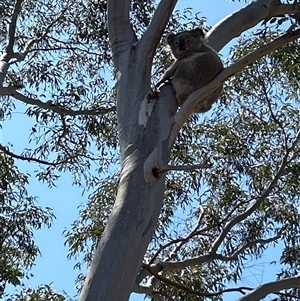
column 144, row 139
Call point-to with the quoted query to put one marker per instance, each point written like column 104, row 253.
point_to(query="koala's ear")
column 198, row 32
column 170, row 37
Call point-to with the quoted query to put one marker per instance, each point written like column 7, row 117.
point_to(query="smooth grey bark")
column 145, row 128
column 234, row 24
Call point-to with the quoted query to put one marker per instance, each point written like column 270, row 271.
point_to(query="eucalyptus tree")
column 181, row 201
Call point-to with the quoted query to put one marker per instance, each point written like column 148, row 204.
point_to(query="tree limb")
column 157, row 25
column 196, row 97
column 51, row 106
column 8, row 50
column 236, row 23
column 121, row 35
column 234, row 255
column 179, row 265
column 6, row 151
column 182, row 167
column 271, row 287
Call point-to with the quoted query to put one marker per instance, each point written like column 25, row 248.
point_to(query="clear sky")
column 52, row 266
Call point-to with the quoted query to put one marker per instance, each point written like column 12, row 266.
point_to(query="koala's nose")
column 181, row 44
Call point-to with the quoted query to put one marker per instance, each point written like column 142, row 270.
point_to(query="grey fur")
column 196, row 64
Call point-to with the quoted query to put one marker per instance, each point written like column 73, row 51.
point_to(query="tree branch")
column 179, row 265
column 182, row 167
column 51, row 106
column 157, row 25
column 121, row 35
column 250, row 244
column 195, row 98
column 271, row 287
column 236, row 23
column 172, row 283
column 6, row 151
column 8, row 51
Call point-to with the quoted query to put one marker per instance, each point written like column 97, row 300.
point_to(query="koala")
column 196, row 64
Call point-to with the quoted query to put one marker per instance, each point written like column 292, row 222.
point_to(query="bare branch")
column 8, row 51
column 157, row 26
column 121, row 35
column 271, row 287
column 142, row 289
column 195, row 98
column 6, row 151
column 51, row 106
column 226, row 29
column 179, row 265
column 273, row 116
column 172, row 283
column 182, row 167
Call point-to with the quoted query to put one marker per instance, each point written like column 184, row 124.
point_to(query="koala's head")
column 185, row 41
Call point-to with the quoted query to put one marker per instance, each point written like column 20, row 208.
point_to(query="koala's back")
column 194, row 71
column 196, row 65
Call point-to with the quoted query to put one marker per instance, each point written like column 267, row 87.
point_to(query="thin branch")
column 172, row 283
column 182, row 167
column 273, row 115
column 51, row 106
column 213, row 251
column 172, row 265
column 195, row 98
column 179, row 265
column 6, row 151
column 193, row 233
column 250, row 244
column 142, row 289
column 271, row 287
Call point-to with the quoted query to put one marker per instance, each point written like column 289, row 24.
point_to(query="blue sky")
column 52, row 266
